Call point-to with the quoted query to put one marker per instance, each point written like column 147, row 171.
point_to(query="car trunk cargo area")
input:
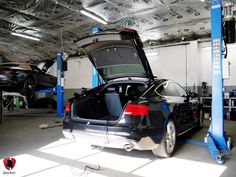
column 107, row 104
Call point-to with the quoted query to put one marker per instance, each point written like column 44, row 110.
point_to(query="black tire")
column 167, row 146
column 28, row 88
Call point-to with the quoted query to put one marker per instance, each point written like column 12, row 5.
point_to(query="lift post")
column 60, row 85
column 94, row 78
column 94, row 72
column 59, row 89
column 216, row 139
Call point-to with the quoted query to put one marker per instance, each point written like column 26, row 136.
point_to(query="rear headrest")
column 132, row 90
column 111, row 90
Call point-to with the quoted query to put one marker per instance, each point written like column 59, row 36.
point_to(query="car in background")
column 131, row 109
column 26, row 78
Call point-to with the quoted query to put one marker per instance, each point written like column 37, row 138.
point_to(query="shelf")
column 206, row 106
column 230, row 102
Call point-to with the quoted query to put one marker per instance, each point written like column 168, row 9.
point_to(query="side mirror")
column 43, row 70
column 76, row 95
column 187, row 98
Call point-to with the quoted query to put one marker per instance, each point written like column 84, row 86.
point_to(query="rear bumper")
column 110, row 140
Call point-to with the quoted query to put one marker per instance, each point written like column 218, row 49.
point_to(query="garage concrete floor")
column 44, row 152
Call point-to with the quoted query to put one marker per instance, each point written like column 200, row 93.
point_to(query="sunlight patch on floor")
column 65, row 171
column 57, row 157
column 68, row 149
column 116, row 162
column 180, row 167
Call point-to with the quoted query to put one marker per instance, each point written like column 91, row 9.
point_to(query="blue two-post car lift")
column 216, row 139
column 59, row 89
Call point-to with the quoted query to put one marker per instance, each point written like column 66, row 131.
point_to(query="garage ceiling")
column 59, row 22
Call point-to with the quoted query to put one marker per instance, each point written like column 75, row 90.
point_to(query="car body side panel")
column 196, row 108
column 182, row 111
column 159, row 115
column 45, row 80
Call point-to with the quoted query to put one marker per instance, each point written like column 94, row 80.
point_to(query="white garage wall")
column 169, row 63
column 79, row 74
column 172, row 61
column 205, row 60
column 179, row 63
column 193, row 65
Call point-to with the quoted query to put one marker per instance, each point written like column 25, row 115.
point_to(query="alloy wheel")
column 170, row 137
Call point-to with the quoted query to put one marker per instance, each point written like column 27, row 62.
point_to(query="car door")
column 158, row 112
column 46, row 80
column 191, row 106
column 178, row 102
column 43, row 80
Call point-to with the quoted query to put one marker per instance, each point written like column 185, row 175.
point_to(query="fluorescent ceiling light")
column 25, row 36
column 93, row 17
column 144, row 39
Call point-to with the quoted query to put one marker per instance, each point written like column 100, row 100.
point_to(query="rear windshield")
column 114, row 60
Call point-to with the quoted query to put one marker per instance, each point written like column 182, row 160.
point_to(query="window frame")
column 143, row 95
column 169, row 81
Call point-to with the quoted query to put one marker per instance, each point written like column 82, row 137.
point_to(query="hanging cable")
column 100, row 148
column 224, row 49
column 186, row 67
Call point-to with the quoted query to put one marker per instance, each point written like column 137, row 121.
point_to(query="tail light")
column 67, row 107
column 136, row 110
column 194, row 114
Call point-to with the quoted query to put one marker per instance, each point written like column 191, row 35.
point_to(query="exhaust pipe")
column 128, row 147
